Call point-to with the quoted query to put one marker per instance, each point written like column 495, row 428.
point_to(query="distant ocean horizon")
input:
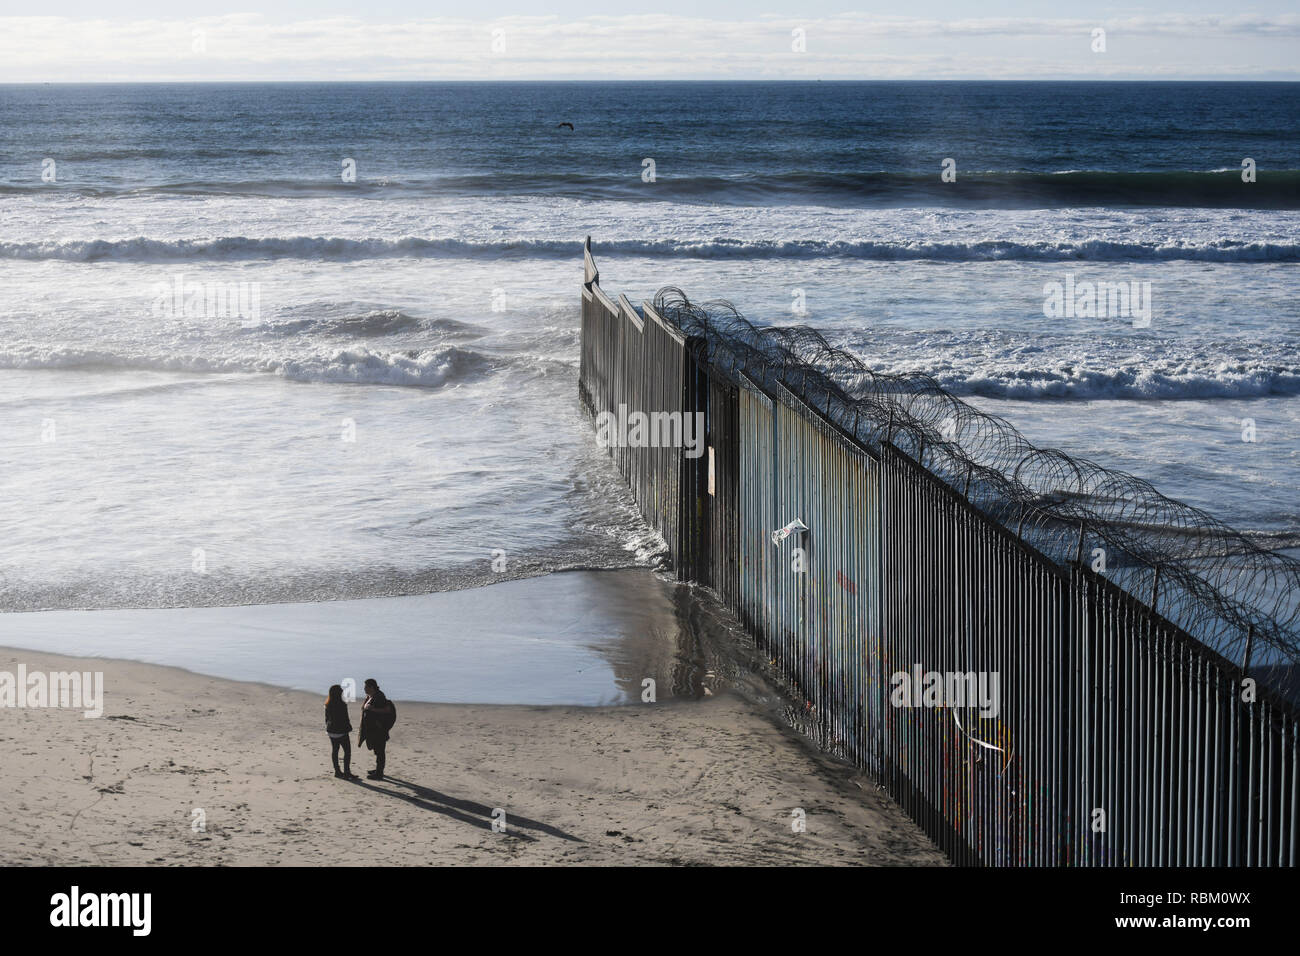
column 392, row 406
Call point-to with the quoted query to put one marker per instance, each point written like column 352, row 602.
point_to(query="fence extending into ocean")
column 1043, row 661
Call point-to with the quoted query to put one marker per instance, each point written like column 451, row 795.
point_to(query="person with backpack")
column 377, row 718
column 338, row 725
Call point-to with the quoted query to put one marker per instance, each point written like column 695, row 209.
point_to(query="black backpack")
column 390, row 718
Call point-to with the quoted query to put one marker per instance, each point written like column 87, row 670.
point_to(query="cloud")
column 641, row 46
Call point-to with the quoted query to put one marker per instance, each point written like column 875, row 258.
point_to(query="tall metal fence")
column 635, row 363
column 942, row 626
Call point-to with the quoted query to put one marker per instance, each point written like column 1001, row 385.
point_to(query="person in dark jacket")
column 338, row 725
column 377, row 715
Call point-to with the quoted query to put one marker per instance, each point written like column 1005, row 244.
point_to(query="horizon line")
column 681, row 80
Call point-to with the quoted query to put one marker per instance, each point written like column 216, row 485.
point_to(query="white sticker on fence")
column 791, row 528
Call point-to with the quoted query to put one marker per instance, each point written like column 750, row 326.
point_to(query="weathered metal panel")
column 826, row 613
column 721, row 484
column 757, row 516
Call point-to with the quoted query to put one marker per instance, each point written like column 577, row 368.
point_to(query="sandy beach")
column 712, row 781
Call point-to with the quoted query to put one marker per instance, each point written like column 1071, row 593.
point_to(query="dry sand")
column 691, row 782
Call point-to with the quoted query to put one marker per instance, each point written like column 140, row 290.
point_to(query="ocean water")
column 227, row 376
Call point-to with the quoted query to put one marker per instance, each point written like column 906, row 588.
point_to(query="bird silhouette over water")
column 562, row 125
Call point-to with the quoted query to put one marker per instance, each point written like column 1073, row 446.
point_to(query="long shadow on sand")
column 467, row 811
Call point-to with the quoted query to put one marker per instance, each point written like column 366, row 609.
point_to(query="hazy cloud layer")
column 650, row 46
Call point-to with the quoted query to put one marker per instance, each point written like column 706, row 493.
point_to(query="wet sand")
column 709, row 781
column 581, row 637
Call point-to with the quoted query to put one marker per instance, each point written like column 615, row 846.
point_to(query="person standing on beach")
column 338, row 725
column 377, row 717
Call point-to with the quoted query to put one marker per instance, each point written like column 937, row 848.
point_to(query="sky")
column 159, row 41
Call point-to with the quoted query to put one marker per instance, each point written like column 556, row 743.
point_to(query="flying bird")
column 562, row 125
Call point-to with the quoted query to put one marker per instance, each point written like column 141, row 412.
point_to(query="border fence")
column 1043, row 661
